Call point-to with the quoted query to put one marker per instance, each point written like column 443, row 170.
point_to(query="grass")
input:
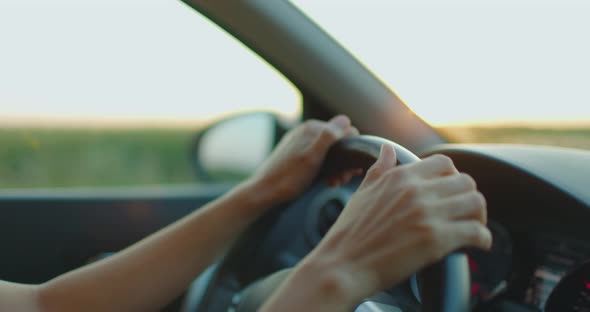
column 32, row 158
column 90, row 157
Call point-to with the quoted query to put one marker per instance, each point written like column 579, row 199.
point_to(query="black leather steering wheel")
column 445, row 285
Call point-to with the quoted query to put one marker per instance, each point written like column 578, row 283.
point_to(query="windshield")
column 461, row 65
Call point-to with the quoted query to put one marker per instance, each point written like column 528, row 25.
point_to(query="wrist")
column 271, row 189
column 338, row 267
column 254, row 196
column 311, row 286
column 341, row 280
column 332, row 284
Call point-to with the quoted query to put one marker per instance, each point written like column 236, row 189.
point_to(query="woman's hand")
column 297, row 158
column 399, row 220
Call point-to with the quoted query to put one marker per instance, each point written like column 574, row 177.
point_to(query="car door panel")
column 47, row 233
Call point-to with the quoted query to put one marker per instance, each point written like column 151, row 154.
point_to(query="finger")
column 352, row 131
column 385, row 160
column 451, row 185
column 332, row 131
column 332, row 182
column 387, row 157
column 345, row 177
column 341, row 179
column 468, row 234
column 340, row 121
column 434, row 166
column 352, row 173
column 466, row 206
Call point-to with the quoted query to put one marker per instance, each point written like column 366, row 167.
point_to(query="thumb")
column 386, row 160
column 387, row 157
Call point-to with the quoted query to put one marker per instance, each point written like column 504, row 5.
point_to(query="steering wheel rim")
column 445, row 284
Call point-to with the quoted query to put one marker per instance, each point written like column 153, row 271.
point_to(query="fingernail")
column 340, row 121
column 387, row 155
column 382, row 151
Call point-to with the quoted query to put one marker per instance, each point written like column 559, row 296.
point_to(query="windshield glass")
column 507, row 66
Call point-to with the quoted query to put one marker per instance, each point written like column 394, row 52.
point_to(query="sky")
column 451, row 61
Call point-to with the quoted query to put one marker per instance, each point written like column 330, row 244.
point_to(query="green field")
column 131, row 157
column 90, row 157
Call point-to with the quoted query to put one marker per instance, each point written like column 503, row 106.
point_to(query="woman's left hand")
column 297, row 158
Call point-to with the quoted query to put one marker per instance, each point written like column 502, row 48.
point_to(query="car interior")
column 538, row 198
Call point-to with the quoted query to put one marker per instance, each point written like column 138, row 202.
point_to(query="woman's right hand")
column 401, row 219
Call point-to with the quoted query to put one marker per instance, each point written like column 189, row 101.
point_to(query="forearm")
column 319, row 283
column 154, row 271
column 18, row 297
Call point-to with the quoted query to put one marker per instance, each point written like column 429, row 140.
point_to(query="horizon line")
column 72, row 122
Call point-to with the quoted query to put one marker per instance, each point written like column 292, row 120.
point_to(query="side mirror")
column 232, row 148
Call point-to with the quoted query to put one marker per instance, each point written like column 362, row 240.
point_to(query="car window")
column 484, row 71
column 110, row 93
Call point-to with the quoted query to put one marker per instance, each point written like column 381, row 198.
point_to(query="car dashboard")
column 539, row 211
column 539, row 215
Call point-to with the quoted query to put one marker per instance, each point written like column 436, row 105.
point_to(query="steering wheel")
column 445, row 284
